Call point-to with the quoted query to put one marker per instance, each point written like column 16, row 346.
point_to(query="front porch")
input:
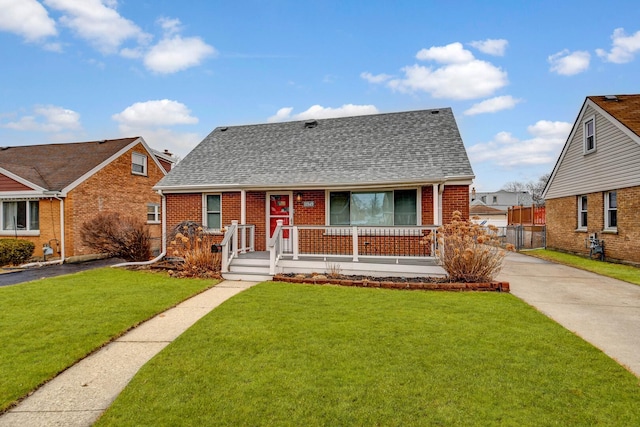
column 350, row 250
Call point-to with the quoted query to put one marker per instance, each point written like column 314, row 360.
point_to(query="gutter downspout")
column 164, row 238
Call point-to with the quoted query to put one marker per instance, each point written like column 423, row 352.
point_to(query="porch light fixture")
column 298, row 197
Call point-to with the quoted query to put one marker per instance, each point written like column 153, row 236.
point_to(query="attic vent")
column 435, row 112
column 611, row 98
column 223, row 129
column 310, row 124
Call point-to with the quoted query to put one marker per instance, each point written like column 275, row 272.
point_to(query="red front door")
column 279, row 208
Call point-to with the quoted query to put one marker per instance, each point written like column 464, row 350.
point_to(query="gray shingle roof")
column 408, row 146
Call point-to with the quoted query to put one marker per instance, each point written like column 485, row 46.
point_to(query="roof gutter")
column 311, row 186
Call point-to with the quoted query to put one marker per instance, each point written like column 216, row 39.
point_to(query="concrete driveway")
column 603, row 311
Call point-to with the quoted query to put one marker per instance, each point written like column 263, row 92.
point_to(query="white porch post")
column 294, row 242
column 243, row 218
column 436, row 204
column 354, row 234
column 235, row 236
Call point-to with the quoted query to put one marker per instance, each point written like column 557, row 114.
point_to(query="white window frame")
column 21, row 231
column 608, row 209
column 585, row 137
column 141, row 161
column 205, row 212
column 582, row 226
column 376, row 190
column 156, row 213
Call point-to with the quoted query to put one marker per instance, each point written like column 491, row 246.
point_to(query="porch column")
column 243, row 218
column 436, row 204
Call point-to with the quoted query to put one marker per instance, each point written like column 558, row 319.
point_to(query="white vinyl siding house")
column 577, row 173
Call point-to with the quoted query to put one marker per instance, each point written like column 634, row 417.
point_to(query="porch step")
column 249, row 277
column 250, row 268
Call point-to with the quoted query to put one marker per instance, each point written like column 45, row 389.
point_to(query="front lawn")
column 48, row 325
column 623, row 272
column 305, row 355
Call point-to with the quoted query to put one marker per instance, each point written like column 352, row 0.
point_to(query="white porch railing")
column 239, row 238
column 352, row 241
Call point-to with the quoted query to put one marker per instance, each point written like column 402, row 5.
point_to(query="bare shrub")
column 190, row 243
column 120, row 236
column 469, row 252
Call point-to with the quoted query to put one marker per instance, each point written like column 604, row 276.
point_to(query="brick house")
column 594, row 189
column 354, row 187
column 48, row 191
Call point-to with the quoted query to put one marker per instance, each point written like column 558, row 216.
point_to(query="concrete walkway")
column 603, row 311
column 80, row 394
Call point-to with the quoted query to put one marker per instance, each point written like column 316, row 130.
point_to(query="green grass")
column 617, row 271
column 304, row 355
column 48, row 325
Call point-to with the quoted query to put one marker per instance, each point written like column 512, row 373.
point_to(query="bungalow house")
column 48, row 191
column 593, row 194
column 339, row 192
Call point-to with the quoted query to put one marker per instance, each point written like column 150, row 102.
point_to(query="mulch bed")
column 408, row 283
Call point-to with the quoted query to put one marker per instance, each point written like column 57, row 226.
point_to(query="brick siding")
column 623, row 245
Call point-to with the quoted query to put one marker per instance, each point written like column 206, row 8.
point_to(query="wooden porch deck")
column 255, row 266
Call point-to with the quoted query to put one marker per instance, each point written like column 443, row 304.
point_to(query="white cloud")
column 152, row 120
column 98, row 22
column 462, row 76
column 379, row 78
column 623, row 47
column 27, row 18
column 176, row 53
column 452, row 53
column 170, row 26
column 568, row 63
column 494, row 47
column 155, row 113
column 178, row 143
column 493, row 105
column 320, row 112
column 507, row 151
column 46, row 118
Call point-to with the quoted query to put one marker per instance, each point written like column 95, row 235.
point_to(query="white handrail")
column 274, row 246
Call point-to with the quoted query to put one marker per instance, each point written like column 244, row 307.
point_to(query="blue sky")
column 514, row 72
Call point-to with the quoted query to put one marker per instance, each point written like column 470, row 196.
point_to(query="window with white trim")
column 213, row 211
column 386, row 208
column 20, row 215
column 590, row 135
column 153, row 213
column 138, row 164
column 611, row 210
column 582, row 212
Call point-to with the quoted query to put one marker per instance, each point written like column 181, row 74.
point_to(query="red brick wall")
column 256, row 214
column 112, row 189
column 427, row 205
column 183, row 207
column 455, row 198
column 309, row 215
column 623, row 245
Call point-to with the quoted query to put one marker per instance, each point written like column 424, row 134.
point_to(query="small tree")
column 117, row 235
column 469, row 252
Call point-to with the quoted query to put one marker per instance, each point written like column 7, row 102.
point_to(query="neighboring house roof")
column 53, row 167
column 480, row 209
column 615, row 163
column 413, row 146
column 625, row 109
